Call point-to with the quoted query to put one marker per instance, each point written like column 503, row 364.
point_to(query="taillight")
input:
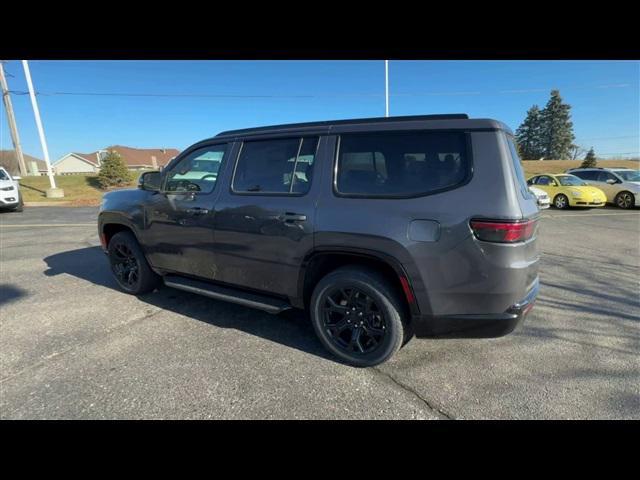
column 503, row 232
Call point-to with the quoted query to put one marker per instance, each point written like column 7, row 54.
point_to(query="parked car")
column 541, row 197
column 381, row 229
column 10, row 197
column 568, row 190
column 620, row 185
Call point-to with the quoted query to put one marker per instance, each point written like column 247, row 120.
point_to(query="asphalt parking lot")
column 74, row 346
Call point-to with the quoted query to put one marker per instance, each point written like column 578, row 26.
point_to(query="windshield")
column 629, row 175
column 570, row 181
column 3, row 174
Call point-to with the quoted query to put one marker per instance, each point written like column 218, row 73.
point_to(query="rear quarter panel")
column 453, row 273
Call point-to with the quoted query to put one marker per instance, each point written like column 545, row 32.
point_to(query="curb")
column 46, row 204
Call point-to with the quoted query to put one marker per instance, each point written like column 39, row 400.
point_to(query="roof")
column 456, row 120
column 9, row 161
column 135, row 157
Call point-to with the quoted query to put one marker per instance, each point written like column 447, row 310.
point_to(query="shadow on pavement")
column 290, row 328
column 10, row 293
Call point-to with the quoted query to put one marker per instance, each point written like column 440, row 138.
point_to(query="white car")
column 541, row 196
column 620, row 185
column 10, row 197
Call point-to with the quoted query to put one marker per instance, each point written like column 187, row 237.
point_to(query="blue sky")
column 605, row 98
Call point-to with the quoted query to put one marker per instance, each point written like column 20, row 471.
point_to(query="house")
column 9, row 160
column 134, row 158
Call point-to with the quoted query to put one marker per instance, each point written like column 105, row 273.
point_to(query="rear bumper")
column 477, row 326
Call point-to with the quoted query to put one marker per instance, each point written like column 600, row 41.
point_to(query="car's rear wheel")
column 357, row 316
column 561, row 201
column 129, row 266
column 625, row 200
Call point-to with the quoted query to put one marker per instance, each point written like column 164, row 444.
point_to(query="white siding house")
column 73, row 163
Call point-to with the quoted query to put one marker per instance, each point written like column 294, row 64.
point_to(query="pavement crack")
column 437, row 411
column 50, row 356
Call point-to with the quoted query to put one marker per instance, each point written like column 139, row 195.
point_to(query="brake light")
column 504, row 232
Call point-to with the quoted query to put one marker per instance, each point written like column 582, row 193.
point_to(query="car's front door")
column 264, row 221
column 180, row 218
column 608, row 183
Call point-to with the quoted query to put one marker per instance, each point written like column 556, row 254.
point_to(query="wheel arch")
column 321, row 261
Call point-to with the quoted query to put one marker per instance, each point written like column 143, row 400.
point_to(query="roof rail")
column 328, row 123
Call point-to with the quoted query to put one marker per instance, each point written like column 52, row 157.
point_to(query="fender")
column 403, row 271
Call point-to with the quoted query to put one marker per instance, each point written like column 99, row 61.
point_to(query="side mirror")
column 611, row 181
column 150, row 181
column 17, row 177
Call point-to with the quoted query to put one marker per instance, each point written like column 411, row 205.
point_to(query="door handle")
column 294, row 217
column 197, row 211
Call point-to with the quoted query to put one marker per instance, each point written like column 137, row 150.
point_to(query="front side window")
column 275, row 166
column 197, row 172
column 604, row 176
column 629, row 175
column 570, row 181
column 544, row 180
column 401, row 163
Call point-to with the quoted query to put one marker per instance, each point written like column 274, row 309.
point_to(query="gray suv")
column 381, row 229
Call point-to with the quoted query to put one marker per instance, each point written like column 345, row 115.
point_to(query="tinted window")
column 276, row 166
column 586, row 174
column 570, row 180
column 197, row 172
column 532, row 181
column 544, row 180
column 401, row 164
column 604, row 176
column 3, row 175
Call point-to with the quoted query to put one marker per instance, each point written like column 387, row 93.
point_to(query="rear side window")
column 517, row 166
column 401, row 164
column 586, row 174
column 275, row 166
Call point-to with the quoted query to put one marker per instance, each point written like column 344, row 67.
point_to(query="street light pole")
column 386, row 87
column 53, row 192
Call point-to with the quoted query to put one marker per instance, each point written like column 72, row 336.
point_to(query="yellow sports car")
column 568, row 190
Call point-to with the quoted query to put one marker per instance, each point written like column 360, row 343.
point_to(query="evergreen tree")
column 589, row 160
column 528, row 135
column 557, row 128
column 113, row 171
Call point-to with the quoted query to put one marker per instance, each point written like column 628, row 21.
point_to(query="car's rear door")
column 264, row 220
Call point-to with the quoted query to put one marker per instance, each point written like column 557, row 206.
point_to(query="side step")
column 252, row 300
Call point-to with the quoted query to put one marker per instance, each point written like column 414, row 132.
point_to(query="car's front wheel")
column 625, row 200
column 561, row 201
column 358, row 316
column 129, row 266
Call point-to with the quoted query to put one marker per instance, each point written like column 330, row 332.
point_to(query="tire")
column 129, row 266
column 381, row 328
column 561, row 201
column 625, row 200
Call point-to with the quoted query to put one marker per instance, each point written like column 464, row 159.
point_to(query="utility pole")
column 386, row 87
column 12, row 122
column 52, row 192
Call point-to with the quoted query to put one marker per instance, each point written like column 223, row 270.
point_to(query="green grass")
column 80, row 190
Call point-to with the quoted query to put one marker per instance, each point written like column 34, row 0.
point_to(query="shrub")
column 113, row 171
